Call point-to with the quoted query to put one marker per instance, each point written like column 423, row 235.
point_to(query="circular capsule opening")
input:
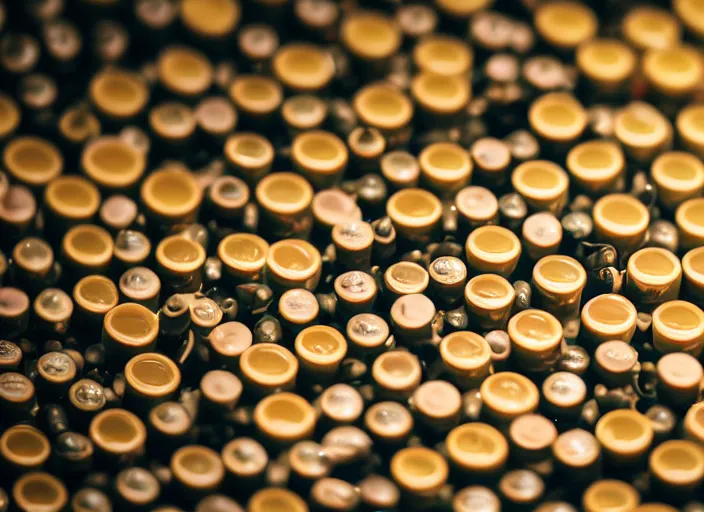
column 419, row 469
column 489, row 290
column 229, row 193
column 274, row 499
column 318, row 151
column 675, row 70
column 256, row 94
column 304, row 112
column 533, row 432
column 321, row 344
column 441, row 93
column 18, row 206
column 170, row 418
column 565, row 24
column 557, row 116
column 535, row 330
column 197, row 467
column 595, row 162
column 73, row 197
column 284, row 193
column 210, row 18
column 694, row 422
column 244, row 457
column 564, row 389
column 610, row 495
column 367, row 330
column 693, row 265
column 621, row 213
column 649, row 27
column 443, row 55
column 249, row 150
column 624, row 432
column 24, row 445
column 243, row 251
column 53, row 305
column 285, row 416
column 560, row 274
column 117, row 431
column 185, row 71
column 654, row 265
column 606, row 60
column 119, row 93
column 293, row 257
column 477, row 447
column 678, row 170
column 269, row 364
column 690, row 216
column 509, row 394
column 414, row 207
column 32, row 160
column 171, row 193
column 383, row 107
column 111, row 162
column 179, row 254
column 445, row 162
column 388, row 420
column 406, row 277
column 679, row 318
column 303, row 67
column 40, row 491
column 153, row 374
column 465, row 350
column 610, row 312
column 493, row 243
column 690, row 124
column 640, row 124
column 540, row 180
column 396, row 370
column 172, row 121
column 96, row 293
column 370, row 36
column 131, row 324
column 88, row 245
column 678, row 462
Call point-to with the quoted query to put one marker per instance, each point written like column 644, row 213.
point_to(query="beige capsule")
column 541, row 235
column 607, row 64
column 412, row 318
column 679, row 379
column 437, row 404
column 542, row 184
column 507, row 395
column 419, row 470
column 118, row 94
column 415, row 213
column 477, row 448
column 693, row 270
column 621, row 220
column 531, row 437
column 400, row 169
column 284, row 418
column 212, row 19
column 443, row 54
column 303, row 67
column 448, row 278
column 171, row 196
column 33, row 257
column 220, row 391
column 369, row 36
column 536, row 339
column 678, row 326
column 228, row 196
column 245, row 459
column 653, row 276
column 558, row 118
column 197, row 469
column 151, row 378
column 489, row 299
column 320, row 350
column 11, row 116
column 140, row 285
column 293, row 263
column 679, row 176
column 320, row 156
column 228, row 341
column 24, row 448
column 445, row 168
column 39, row 492
column 440, row 98
column 303, row 112
column 243, row 256
column 256, row 97
column 267, row 368
column 333, row 206
column 608, row 317
column 558, row 282
column 70, row 200
column 180, row 263
column 367, row 335
column 340, row 404
column 596, row 165
column 690, row 128
column 674, row 72
column 693, row 425
column 565, row 24
column 467, row 357
column 112, row 163
column 646, row 27
column 285, row 204
column 387, row 109
column 642, row 130
column 615, row 362
column 94, row 296
column 184, row 71
column 129, row 329
column 610, row 495
column 353, row 244
column 689, row 218
column 476, row 206
column 677, row 466
column 118, row 435
column 87, row 249
column 396, row 374
column 578, row 453
column 249, row 156
column 269, row 498
column 625, row 436
column 298, row 309
column 492, row 158
column 493, row 249
column 477, row 498
column 405, row 278
column 356, row 293
column 388, row 423
column 564, row 394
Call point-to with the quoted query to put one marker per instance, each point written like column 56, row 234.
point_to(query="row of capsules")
column 288, row 207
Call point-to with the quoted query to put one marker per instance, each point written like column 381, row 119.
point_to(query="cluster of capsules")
column 357, row 255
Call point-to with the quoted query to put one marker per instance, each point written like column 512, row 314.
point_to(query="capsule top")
column 111, row 162
column 606, row 60
column 397, row 370
column 170, row 418
column 489, row 291
column 303, row 67
column 621, row 214
column 678, row 171
column 678, row 462
column 382, row 106
column 319, row 152
column 258, row 95
column 595, row 162
column 184, row 70
column 366, row 330
column 493, row 244
column 648, row 27
column 40, row 492
column 609, row 313
column 9, row 114
column 269, row 364
column 304, row 111
column 477, row 203
column 673, row 71
column 33, row 254
column 419, row 469
column 321, row 345
column 24, row 446
column 119, row 93
column 679, row 320
column 180, row 255
column 690, row 216
column 535, row 330
column 558, row 116
column 690, row 124
column 273, row 498
column 89, row 245
column 441, row 93
column 332, row 206
column 641, row 125
column 171, row 193
column 197, row 467
column 131, row 324
column 152, row 374
column 243, row 251
column 72, row 197
column 284, row 193
column 559, row 274
column 244, row 457
column 249, row 150
column 616, row 357
column 610, row 495
column 117, row 431
column 624, row 432
column 510, row 394
column 118, row 212
column 285, row 416
column 369, row 35
column 576, row 448
column 533, row 432
column 654, row 265
column 414, row 208
column 437, row 399
column 212, row 18
column 693, row 265
column 477, row 447
column 294, row 258
column 444, row 55
column 96, row 293
column 565, row 24
column 32, row 160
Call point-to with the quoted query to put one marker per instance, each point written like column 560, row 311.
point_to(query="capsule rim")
column 171, row 58
column 86, row 189
column 32, row 178
column 305, row 353
column 128, row 340
column 91, row 260
column 263, row 378
column 304, row 81
column 61, row 497
column 292, row 431
column 117, row 447
column 473, row 461
column 419, row 483
column 194, row 479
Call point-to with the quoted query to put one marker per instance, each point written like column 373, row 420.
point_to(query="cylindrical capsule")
column 653, row 276
column 39, row 491
column 608, row 317
column 284, row 418
column 94, row 296
column 179, row 264
column 625, row 436
column 267, row 368
column 128, row 329
column 489, row 299
column 536, row 339
column 621, row 220
column 467, row 356
column 396, row 374
column 197, row 470
column 285, row 205
column 678, row 326
column 477, row 449
column 118, row 436
column 320, row 350
column 493, row 249
column 507, row 395
column 321, row 157
column 558, row 282
column 596, row 166
column 609, row 495
column 293, row 263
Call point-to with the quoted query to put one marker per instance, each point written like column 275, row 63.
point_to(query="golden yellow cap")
column 565, row 24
